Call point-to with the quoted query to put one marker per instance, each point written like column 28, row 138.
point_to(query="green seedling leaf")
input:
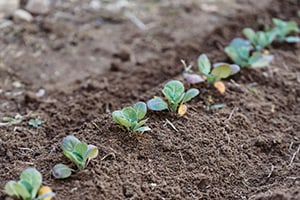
column 92, row 152
column 81, row 149
column 157, row 104
column 221, row 71
column 173, row 91
column 249, row 33
column 76, row 158
column 193, row 78
column 33, row 178
column 234, row 68
column 258, row 60
column 10, row 189
column 26, row 185
column 233, row 55
column 129, row 116
column 190, row 94
column 292, row 39
column 140, row 124
column 239, row 51
column 140, row 109
column 22, row 191
column 61, row 171
column 204, row 64
column 217, row 106
column 143, row 129
column 119, row 118
column 236, row 43
column 69, row 143
column 35, row 122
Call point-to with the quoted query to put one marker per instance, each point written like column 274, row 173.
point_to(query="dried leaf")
column 220, row 86
column 182, row 110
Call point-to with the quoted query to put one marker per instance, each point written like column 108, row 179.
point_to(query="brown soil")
column 243, row 151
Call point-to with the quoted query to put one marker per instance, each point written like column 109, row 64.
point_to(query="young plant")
column 35, row 122
column 176, row 97
column 259, row 39
column 131, row 117
column 241, row 53
column 213, row 74
column 284, row 29
column 29, row 187
column 80, row 153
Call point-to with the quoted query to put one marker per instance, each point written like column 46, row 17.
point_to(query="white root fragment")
column 172, row 125
column 271, row 171
column 294, row 155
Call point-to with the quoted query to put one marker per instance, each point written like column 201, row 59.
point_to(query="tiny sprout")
column 131, row 117
column 240, row 52
column 80, row 153
column 213, row 74
column 214, row 107
column 35, row 122
column 176, row 97
column 29, row 187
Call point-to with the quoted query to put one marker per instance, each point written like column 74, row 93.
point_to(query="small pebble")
column 7, row 7
column 22, row 16
column 39, row 7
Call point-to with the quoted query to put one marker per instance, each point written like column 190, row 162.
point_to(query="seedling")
column 210, row 105
column 284, row 29
column 214, row 74
column 241, row 53
column 259, row 39
column 35, row 122
column 80, row 153
column 29, row 187
column 176, row 97
column 131, row 117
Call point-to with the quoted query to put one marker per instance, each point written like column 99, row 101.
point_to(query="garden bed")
column 242, row 151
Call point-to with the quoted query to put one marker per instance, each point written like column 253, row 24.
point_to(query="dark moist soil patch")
column 243, row 151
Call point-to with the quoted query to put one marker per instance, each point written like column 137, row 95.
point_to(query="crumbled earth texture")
column 74, row 66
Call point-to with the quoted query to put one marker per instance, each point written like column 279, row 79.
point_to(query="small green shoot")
column 284, row 30
column 176, row 96
column 260, row 39
column 213, row 74
column 131, row 117
column 80, row 153
column 35, row 122
column 214, row 107
column 28, row 187
column 241, row 53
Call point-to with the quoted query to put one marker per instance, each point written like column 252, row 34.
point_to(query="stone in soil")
column 7, row 7
column 39, row 7
column 22, row 16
